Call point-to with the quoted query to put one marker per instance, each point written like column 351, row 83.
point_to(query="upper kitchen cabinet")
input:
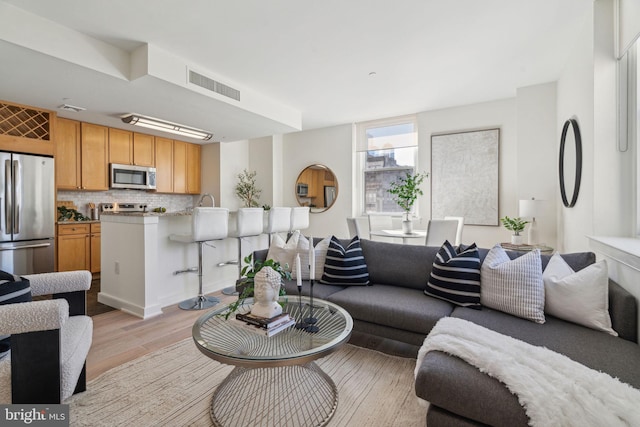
column 94, row 154
column 81, row 156
column 26, row 129
column 68, row 159
column 144, row 149
column 193, row 168
column 164, row 165
column 131, row 148
column 186, row 168
column 120, row 146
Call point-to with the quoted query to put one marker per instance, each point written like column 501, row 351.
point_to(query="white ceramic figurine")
column 266, row 291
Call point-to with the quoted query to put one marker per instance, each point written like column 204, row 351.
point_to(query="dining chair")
column 440, row 230
column 460, row 220
column 354, row 228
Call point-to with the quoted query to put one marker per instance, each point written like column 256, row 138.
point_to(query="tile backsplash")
column 173, row 202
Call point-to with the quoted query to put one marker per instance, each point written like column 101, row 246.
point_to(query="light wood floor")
column 119, row 337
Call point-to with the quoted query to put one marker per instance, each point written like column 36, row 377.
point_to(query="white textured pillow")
column 580, row 297
column 321, row 255
column 513, row 286
column 282, row 252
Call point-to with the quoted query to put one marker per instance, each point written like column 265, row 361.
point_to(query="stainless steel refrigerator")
column 27, row 213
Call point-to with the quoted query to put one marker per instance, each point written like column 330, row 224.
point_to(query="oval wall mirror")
column 316, row 187
column 570, row 164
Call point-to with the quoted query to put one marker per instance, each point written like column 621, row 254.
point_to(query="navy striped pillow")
column 345, row 266
column 455, row 276
column 13, row 289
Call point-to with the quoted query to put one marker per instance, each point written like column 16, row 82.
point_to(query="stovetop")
column 123, row 207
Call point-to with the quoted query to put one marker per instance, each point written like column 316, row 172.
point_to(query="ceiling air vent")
column 214, row 86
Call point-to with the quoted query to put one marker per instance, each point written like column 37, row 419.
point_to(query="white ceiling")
column 309, row 58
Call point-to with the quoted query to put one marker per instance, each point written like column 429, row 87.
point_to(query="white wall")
column 576, row 100
column 234, row 158
column 537, row 173
column 497, row 114
column 261, row 161
column 332, row 148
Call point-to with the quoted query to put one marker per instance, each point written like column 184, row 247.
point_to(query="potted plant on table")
column 249, row 272
column 516, row 225
column 405, row 191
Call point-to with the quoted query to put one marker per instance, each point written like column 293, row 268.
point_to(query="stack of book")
column 266, row 326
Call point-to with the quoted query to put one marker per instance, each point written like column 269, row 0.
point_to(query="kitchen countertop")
column 176, row 213
column 89, row 221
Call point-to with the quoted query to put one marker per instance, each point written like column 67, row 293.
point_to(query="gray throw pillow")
column 513, row 286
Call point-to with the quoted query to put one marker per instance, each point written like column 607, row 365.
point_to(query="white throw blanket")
column 553, row 389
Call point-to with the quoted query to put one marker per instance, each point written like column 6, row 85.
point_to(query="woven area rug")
column 173, row 387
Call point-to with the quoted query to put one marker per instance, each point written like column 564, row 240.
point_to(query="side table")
column 547, row 250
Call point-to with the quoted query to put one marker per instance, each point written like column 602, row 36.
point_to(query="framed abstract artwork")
column 464, row 176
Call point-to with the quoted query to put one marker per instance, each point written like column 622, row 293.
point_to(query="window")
column 387, row 150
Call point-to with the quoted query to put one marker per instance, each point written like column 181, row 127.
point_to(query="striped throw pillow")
column 345, row 266
column 455, row 276
column 513, row 286
column 13, row 289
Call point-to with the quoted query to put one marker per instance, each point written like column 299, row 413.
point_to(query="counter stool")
column 299, row 219
column 248, row 223
column 279, row 221
column 206, row 224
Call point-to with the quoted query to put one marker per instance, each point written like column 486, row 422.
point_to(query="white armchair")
column 50, row 340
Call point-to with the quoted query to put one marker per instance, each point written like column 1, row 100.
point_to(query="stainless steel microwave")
column 133, row 177
column 302, row 190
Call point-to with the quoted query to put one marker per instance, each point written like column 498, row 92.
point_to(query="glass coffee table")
column 275, row 381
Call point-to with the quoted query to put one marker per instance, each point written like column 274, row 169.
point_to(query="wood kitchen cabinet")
column 164, row 165
column 120, row 146
column 186, row 167
column 81, row 156
column 193, row 168
column 131, row 148
column 144, row 149
column 94, row 152
column 68, row 171
column 79, row 247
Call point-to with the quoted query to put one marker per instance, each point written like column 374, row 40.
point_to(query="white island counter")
column 138, row 262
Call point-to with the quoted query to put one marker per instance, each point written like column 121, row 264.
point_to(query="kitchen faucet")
column 213, row 203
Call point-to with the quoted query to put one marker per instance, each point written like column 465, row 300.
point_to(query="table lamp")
column 530, row 208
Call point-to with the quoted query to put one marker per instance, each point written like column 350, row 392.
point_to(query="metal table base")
column 299, row 395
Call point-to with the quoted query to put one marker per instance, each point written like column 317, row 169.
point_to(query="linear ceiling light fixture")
column 165, row 126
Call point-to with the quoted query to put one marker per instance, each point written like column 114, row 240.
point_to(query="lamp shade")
column 530, row 208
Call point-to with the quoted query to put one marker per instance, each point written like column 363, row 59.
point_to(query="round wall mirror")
column 316, row 187
column 570, row 162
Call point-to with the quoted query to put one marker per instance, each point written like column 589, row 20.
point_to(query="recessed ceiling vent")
column 214, row 86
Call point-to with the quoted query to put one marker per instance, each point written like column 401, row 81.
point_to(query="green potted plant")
column 249, row 272
column 516, row 225
column 247, row 190
column 405, row 191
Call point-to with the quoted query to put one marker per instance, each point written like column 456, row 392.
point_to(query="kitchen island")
column 139, row 261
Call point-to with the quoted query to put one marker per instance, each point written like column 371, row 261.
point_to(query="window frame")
column 360, row 158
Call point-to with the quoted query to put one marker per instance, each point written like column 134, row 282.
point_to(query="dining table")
column 398, row 233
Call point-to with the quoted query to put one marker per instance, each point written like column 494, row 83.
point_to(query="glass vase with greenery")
column 405, row 190
column 249, row 272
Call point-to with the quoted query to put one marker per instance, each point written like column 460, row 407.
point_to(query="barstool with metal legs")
column 279, row 221
column 248, row 223
column 299, row 218
column 206, row 224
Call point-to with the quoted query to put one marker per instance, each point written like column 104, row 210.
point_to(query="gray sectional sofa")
column 394, row 315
